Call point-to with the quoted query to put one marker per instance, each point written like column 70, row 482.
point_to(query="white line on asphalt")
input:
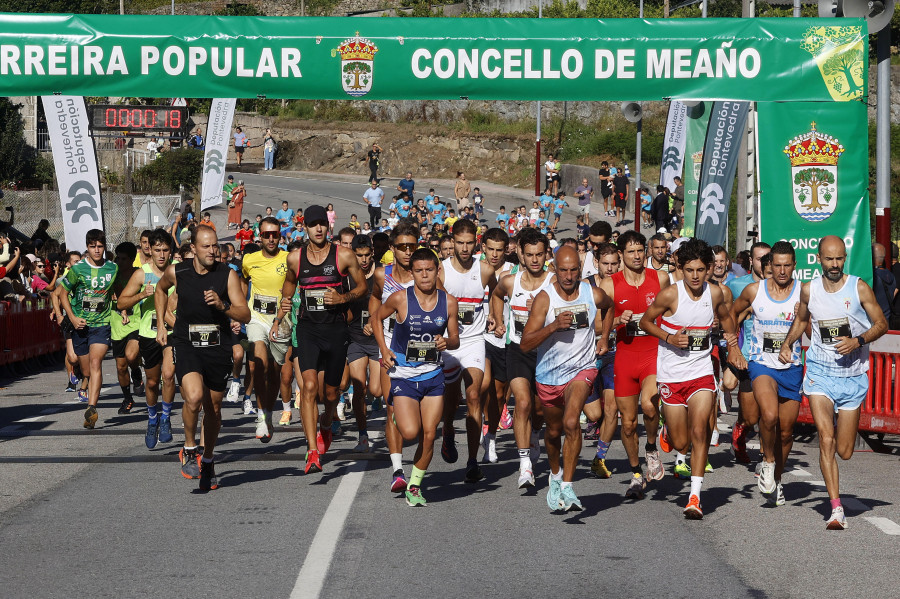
column 799, row 472
column 71, row 402
column 318, row 558
column 753, row 445
column 885, row 525
column 32, row 419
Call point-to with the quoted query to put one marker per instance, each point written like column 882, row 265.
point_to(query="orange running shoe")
column 664, row 443
column 313, row 462
column 693, row 511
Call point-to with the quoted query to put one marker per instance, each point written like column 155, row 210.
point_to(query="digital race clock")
column 163, row 119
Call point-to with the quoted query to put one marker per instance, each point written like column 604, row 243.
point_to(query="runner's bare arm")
column 728, row 325
column 879, row 323
column 501, row 291
column 347, row 263
column 160, row 298
column 238, row 310
column 742, row 303
column 665, row 301
column 801, row 320
column 289, row 287
column 606, row 285
column 452, row 323
column 663, row 277
column 132, row 293
column 535, row 332
column 385, row 310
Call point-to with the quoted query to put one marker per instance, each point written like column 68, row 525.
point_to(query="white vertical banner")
column 672, row 162
column 218, row 138
column 75, row 163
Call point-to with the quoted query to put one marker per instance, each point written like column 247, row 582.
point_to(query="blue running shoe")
column 568, row 500
column 165, row 429
column 448, row 448
column 82, row 396
column 152, row 435
column 554, row 493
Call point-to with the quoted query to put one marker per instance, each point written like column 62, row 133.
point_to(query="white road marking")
column 885, row 525
column 319, row 556
column 32, row 419
column 799, row 472
column 753, row 445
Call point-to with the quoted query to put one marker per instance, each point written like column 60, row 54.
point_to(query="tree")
column 15, row 157
column 356, row 69
column 814, row 178
column 843, row 63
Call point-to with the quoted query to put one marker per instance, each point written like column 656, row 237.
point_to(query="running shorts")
column 83, row 339
column 151, row 352
column 845, row 392
column 214, row 364
column 605, row 377
column 497, row 356
column 630, row 370
column 357, row 351
column 417, row 390
column 554, row 395
column 118, row 345
column 789, row 380
column 470, row 354
column 323, row 348
column 520, row 365
column 678, row 394
column 258, row 331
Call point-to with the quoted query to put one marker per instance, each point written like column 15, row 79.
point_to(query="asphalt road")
column 96, row 514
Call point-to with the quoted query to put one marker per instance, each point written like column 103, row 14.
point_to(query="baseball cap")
column 678, row 243
column 361, row 241
column 662, row 230
column 315, row 214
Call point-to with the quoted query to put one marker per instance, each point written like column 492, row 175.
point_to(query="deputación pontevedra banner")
column 75, row 164
column 697, row 122
column 434, row 58
column 813, row 180
column 218, row 138
column 673, row 145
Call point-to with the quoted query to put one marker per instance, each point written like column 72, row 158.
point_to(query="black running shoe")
column 208, row 480
column 473, row 473
column 126, row 406
column 189, row 463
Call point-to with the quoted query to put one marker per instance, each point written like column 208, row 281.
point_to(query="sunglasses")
column 435, row 246
column 407, row 247
column 270, row 235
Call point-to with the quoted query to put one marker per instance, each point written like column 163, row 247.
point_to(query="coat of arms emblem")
column 357, row 60
column 814, row 175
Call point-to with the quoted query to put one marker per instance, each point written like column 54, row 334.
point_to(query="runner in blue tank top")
column 845, row 318
column 424, row 314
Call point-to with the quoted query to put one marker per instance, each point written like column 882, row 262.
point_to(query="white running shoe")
column 340, row 410
column 362, row 446
column 264, row 427
column 837, row 520
column 234, row 392
column 526, row 478
column 655, row 470
column 714, row 439
column 776, row 498
column 489, row 442
column 766, row 482
column 535, row 448
column 249, row 408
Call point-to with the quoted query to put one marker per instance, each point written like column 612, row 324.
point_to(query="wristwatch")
column 860, row 340
column 225, row 305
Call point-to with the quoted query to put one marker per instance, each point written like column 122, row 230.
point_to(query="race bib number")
column 519, row 320
column 315, row 299
column 631, row 327
column 772, row 342
column 93, row 305
column 364, row 319
column 153, row 321
column 424, row 352
column 580, row 313
column 698, row 340
column 265, row 304
column 203, row 335
column 466, row 313
column 832, row 329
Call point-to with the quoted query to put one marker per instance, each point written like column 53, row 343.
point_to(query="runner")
column 600, row 406
column 494, row 384
column 388, row 280
column 263, row 273
column 362, row 353
column 85, row 293
column 510, row 305
column 684, row 365
column 633, row 291
column 321, row 326
column 561, row 327
column 209, row 298
column 466, row 278
column 157, row 360
column 773, row 303
column 748, row 410
column 423, row 314
column 845, row 318
column 123, row 326
column 658, row 248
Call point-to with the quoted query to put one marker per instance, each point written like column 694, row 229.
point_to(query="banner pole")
column 883, row 142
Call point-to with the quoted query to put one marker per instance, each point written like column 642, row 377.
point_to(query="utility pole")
column 537, row 144
column 883, row 141
column 746, row 181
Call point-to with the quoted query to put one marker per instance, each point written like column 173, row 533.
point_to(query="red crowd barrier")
column 880, row 412
column 27, row 331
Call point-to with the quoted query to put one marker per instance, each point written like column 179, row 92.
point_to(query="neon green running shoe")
column 682, row 470
column 708, row 468
column 414, row 497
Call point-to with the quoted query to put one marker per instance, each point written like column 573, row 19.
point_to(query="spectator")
column 646, row 202
column 373, row 159
column 621, row 193
column 885, row 285
column 332, row 217
column 187, row 209
column 244, row 234
column 207, row 221
column 461, row 190
column 659, row 210
column 478, row 201
column 585, row 193
column 40, row 235
column 269, row 148
column 10, row 265
column 407, row 186
column 240, row 143
column 196, row 140
column 236, row 205
column 741, row 266
column 678, row 198
column 176, row 226
column 374, row 196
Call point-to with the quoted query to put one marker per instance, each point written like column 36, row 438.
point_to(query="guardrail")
column 880, row 412
column 27, row 331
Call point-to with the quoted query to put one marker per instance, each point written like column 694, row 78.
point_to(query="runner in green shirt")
column 85, row 294
column 123, row 326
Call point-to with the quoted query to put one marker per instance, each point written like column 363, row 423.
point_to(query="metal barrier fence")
column 119, row 212
column 27, row 331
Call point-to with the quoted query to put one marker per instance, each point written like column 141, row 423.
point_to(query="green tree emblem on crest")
column 356, row 71
column 814, row 178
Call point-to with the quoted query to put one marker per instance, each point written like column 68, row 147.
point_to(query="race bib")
column 466, row 313
column 772, row 342
column 315, row 299
column 834, row 328
column 631, row 327
column 93, row 305
column 519, row 320
column 580, row 312
column 391, row 321
column 203, row 335
column 265, row 304
column 424, row 352
column 153, row 321
column 698, row 340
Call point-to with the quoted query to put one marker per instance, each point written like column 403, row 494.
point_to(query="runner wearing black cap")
column 317, row 272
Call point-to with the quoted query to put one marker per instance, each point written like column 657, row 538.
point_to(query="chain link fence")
column 119, row 212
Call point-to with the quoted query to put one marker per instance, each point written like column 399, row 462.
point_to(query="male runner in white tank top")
column 684, row 366
column 845, row 318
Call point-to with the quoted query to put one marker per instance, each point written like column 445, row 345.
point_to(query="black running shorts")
column 323, row 348
column 214, row 364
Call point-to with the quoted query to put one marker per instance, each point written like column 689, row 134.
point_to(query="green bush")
column 15, row 155
column 168, row 171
